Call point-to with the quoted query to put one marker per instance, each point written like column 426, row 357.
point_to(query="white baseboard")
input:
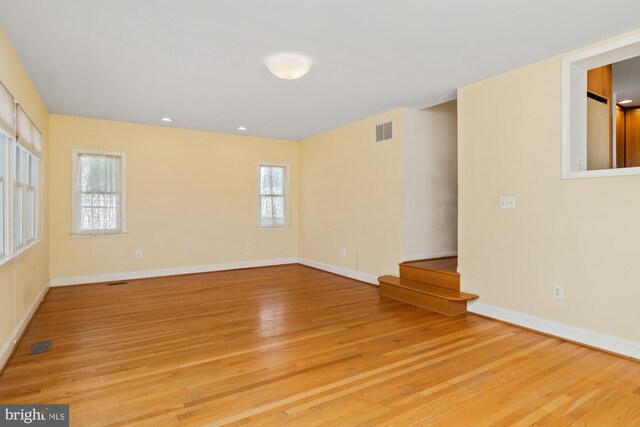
column 429, row 256
column 12, row 341
column 561, row 330
column 111, row 277
column 352, row 274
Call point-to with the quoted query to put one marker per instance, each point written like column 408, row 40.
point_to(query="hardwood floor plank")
column 297, row 346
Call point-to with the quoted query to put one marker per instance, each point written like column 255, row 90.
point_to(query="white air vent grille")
column 384, row 131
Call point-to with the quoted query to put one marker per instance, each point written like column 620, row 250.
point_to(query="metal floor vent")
column 40, row 347
column 117, row 283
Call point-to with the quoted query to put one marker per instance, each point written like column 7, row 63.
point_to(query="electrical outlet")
column 343, row 251
column 249, row 247
column 507, row 202
column 139, row 253
column 189, row 250
column 558, row 292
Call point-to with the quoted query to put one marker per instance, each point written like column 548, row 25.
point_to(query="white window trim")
column 12, row 251
column 287, row 193
column 36, row 201
column 4, row 225
column 7, row 205
column 123, row 183
column 574, row 86
column 26, row 244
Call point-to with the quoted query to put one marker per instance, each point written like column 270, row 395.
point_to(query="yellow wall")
column 581, row 233
column 185, row 188
column 351, row 197
column 23, row 279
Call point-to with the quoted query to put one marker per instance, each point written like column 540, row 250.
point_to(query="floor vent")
column 117, row 283
column 40, row 347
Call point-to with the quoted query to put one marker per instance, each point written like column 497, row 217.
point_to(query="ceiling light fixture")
column 243, row 128
column 167, row 119
column 626, row 101
column 288, row 67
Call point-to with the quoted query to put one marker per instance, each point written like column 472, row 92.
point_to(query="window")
column 32, row 176
column 24, row 171
column 273, row 200
column 18, row 196
column 20, row 147
column 7, row 134
column 24, row 195
column 24, row 183
column 98, row 193
column 600, row 90
column 3, row 194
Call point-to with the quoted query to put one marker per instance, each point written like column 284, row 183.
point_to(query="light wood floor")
column 296, row 346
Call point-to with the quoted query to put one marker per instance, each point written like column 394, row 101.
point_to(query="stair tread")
column 428, row 289
column 448, row 265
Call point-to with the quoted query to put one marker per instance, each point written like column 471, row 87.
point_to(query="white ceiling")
column 626, row 81
column 202, row 62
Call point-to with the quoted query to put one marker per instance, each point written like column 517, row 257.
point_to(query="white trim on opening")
column 574, row 107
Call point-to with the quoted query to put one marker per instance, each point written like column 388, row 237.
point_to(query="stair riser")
column 429, row 302
column 437, row 278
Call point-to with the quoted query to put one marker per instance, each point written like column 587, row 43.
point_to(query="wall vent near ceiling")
column 384, row 131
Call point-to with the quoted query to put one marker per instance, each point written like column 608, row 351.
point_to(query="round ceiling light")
column 167, row 119
column 288, row 67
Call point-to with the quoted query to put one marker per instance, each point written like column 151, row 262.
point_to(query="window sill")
column 122, row 234
column 19, row 252
column 601, row 173
column 273, row 227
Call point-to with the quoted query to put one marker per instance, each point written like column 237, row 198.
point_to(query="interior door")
column 598, row 150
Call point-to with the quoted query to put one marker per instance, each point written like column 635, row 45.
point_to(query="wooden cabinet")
column 632, row 137
column 598, row 148
column 599, row 118
column 620, row 137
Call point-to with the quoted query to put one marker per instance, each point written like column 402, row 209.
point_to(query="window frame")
column 12, row 249
column 76, row 153
column 5, row 225
column 17, row 184
column 286, row 195
column 574, row 89
column 20, row 134
column 25, row 240
column 32, row 186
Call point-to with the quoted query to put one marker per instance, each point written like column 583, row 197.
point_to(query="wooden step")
column 438, row 272
column 435, row 298
column 448, row 264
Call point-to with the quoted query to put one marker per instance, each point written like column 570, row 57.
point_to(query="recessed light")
column 242, row 128
column 167, row 119
column 626, row 101
column 288, row 67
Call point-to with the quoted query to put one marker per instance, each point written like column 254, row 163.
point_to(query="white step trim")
column 111, row 277
column 432, row 255
column 562, row 330
column 352, row 274
column 12, row 341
